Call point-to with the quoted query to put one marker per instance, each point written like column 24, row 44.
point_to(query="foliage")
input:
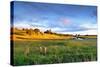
column 57, row 51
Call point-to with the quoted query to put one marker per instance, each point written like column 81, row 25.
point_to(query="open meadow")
column 54, row 51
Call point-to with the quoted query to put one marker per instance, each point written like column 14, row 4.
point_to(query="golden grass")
column 19, row 34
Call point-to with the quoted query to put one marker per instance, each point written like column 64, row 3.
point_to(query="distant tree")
column 48, row 31
column 36, row 31
column 29, row 31
column 23, row 29
column 86, row 35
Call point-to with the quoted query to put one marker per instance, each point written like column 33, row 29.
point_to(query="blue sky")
column 60, row 18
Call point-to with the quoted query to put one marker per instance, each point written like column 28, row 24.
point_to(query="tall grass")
column 54, row 51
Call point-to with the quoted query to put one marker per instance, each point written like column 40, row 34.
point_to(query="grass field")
column 54, row 51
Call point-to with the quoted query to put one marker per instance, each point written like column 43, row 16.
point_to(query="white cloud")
column 91, row 29
column 89, row 26
column 21, row 25
column 89, row 32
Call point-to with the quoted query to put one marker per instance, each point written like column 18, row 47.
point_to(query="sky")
column 59, row 18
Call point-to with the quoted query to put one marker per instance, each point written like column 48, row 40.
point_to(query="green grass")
column 58, row 51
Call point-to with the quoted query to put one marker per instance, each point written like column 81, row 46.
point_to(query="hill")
column 34, row 34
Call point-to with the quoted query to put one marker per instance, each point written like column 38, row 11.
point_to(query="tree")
column 48, row 32
column 29, row 31
column 36, row 30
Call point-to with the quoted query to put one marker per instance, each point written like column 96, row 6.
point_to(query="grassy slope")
column 21, row 35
